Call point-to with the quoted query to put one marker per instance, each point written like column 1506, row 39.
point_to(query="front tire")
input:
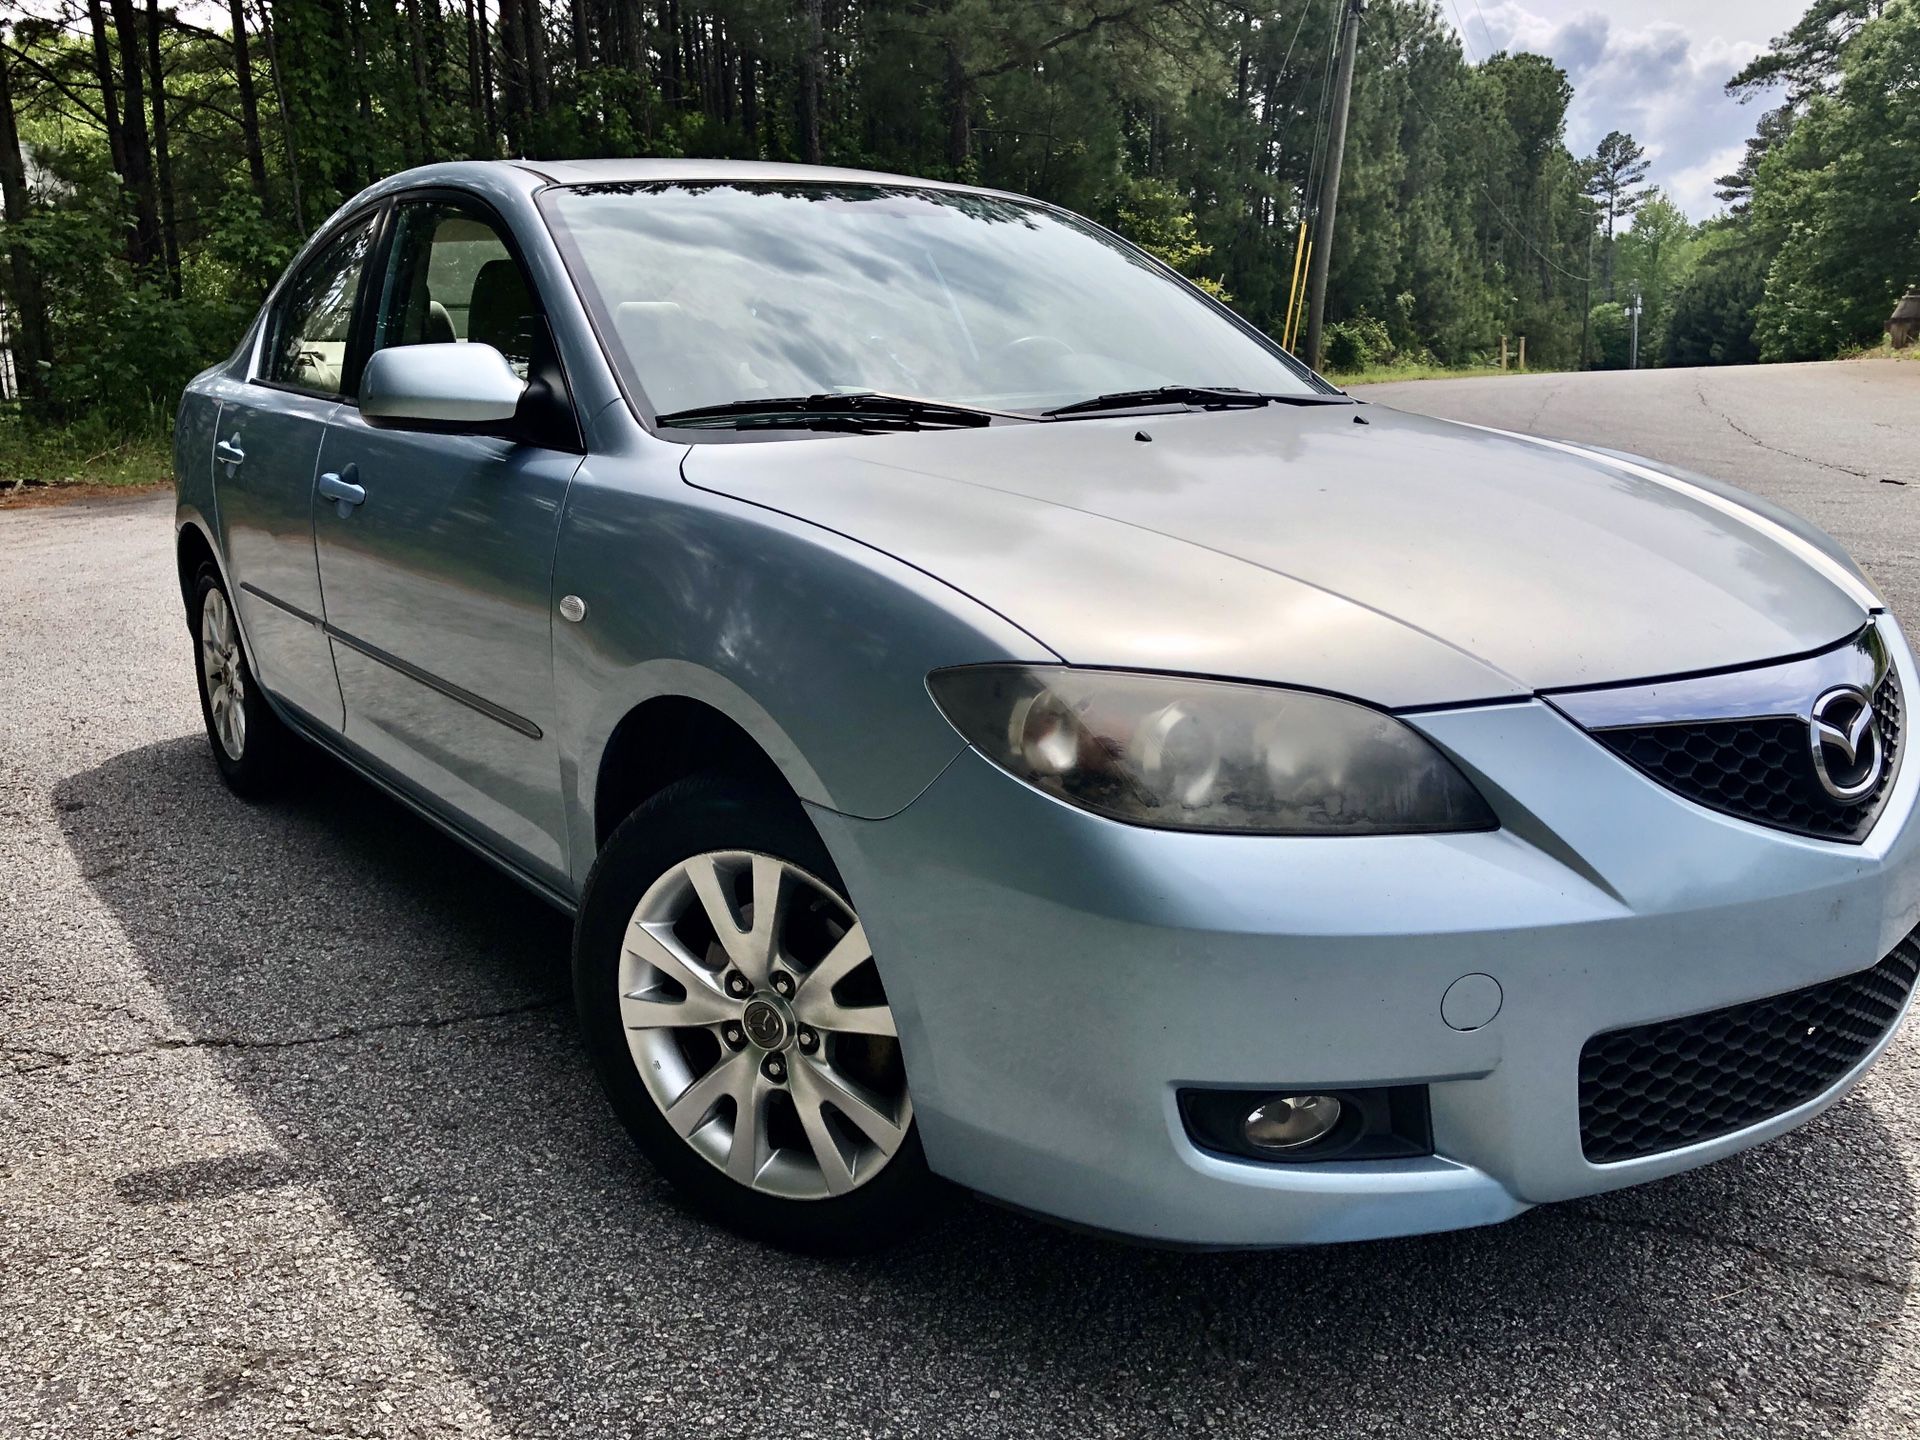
column 737, row 1022
column 250, row 743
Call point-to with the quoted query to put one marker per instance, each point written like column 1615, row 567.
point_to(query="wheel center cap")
column 767, row 1024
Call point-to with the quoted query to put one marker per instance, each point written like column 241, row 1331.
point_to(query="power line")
column 1298, row 26
column 1506, row 219
column 1521, row 236
column 1486, row 30
column 1460, row 25
column 1310, row 194
column 1293, row 105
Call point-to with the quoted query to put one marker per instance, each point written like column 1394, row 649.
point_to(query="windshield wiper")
column 1210, row 397
column 855, row 409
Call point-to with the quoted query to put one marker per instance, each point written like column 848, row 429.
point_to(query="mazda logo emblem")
column 765, row 1025
column 1848, row 758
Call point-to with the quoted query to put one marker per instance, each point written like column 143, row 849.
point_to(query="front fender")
column 814, row 644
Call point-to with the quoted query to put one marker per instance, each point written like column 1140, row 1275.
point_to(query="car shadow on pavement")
column 398, row 1017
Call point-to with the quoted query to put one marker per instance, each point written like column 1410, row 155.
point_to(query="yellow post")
column 1293, row 290
column 1300, row 310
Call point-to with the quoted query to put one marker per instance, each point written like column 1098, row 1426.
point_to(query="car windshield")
column 720, row 293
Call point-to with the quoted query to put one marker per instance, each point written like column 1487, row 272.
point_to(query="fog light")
column 1286, row 1122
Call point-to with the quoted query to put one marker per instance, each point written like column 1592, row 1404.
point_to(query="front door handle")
column 230, row 451
column 340, row 488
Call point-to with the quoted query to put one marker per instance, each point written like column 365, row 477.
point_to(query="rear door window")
column 313, row 323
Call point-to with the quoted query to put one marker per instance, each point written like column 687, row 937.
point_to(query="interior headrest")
column 500, row 313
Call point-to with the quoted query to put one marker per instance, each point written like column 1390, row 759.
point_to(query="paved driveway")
column 296, row 1135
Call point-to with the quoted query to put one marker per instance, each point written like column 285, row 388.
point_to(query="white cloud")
column 1658, row 81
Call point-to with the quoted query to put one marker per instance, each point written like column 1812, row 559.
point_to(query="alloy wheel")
column 756, row 1020
column 224, row 674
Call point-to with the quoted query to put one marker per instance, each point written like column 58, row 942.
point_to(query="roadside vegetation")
column 37, row 457
column 159, row 165
column 1386, row 374
column 1822, row 231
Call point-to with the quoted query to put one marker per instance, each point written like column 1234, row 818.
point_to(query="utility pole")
column 1330, row 186
column 1633, row 361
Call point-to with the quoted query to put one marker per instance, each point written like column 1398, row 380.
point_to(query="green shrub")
column 1357, row 344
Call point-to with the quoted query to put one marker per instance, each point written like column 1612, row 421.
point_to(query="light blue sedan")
column 996, row 717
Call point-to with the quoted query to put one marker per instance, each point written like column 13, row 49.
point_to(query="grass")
column 1883, row 351
column 33, row 457
column 1382, row 374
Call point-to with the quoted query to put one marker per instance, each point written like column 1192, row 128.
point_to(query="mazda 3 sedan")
column 997, row 719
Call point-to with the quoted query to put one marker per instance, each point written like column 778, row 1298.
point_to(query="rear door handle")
column 340, row 488
column 229, row 450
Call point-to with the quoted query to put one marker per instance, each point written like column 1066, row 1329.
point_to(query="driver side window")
column 452, row 279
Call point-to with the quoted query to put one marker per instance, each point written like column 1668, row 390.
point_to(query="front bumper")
column 1057, row 977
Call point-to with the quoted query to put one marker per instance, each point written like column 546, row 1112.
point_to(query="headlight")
column 1207, row 755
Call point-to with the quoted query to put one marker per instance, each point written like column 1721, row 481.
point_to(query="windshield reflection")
column 719, row 293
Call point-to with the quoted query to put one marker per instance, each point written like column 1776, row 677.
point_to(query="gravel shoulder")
column 299, row 1137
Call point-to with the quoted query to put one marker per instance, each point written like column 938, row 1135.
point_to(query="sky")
column 1653, row 68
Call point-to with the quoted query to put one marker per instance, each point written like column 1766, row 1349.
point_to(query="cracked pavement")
column 298, row 1136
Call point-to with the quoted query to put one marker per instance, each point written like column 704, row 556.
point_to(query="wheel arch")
column 192, row 549
column 673, row 734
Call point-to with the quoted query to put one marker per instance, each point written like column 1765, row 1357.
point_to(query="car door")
column 267, row 443
column 437, row 577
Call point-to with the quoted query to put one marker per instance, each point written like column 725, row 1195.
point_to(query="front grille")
column 1658, row 1087
column 1762, row 769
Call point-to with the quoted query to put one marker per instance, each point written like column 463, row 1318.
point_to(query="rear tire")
column 828, row 1158
column 251, row 745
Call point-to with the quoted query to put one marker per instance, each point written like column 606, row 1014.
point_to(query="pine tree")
column 1614, row 173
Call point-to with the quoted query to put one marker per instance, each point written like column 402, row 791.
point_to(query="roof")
column 1909, row 307
column 522, row 178
column 592, row 172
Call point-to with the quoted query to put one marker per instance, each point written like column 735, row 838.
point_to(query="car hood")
column 1404, row 560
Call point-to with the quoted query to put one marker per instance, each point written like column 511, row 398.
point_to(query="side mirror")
column 460, row 384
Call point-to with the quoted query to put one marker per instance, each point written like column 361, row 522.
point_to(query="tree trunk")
column 361, row 136
column 633, row 40
column 269, row 35
column 346, row 129
column 959, row 110
column 812, row 70
column 582, row 38
column 249, row 108
column 143, row 241
column 163, row 160
column 633, row 52
column 1610, row 203
column 485, row 40
column 30, row 344
column 103, row 74
column 539, row 75
column 439, row 60
column 513, row 75
column 749, row 98
column 422, row 99
column 691, row 63
column 476, row 103
column 670, row 52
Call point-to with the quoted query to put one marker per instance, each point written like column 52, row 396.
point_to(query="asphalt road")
column 296, row 1135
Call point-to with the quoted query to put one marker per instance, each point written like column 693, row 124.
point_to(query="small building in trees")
column 1904, row 328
